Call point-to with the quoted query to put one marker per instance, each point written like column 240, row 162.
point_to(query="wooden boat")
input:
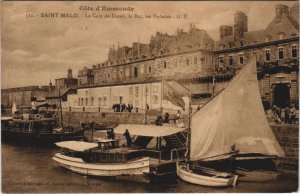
column 43, row 130
column 205, row 176
column 104, row 158
column 232, row 121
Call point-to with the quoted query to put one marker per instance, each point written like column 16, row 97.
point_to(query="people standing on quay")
column 287, row 114
column 293, row 114
column 128, row 138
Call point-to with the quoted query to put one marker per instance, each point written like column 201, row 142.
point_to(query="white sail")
column 234, row 117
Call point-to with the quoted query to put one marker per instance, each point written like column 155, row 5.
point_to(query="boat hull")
column 134, row 167
column 205, row 180
column 257, row 176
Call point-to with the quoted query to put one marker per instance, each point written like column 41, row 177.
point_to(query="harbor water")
column 28, row 168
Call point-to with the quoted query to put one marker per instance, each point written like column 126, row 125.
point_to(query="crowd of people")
column 285, row 115
column 122, row 107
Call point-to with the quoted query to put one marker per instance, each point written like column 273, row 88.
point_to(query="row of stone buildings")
column 196, row 61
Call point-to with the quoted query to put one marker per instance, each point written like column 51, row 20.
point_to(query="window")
column 136, row 91
column 294, row 51
column 187, row 61
column 280, row 53
column 221, row 61
column 86, row 102
column 121, row 73
column 165, row 64
column 195, row 60
column 92, row 101
column 241, row 59
column 130, row 91
column 135, row 72
column 104, row 101
column 231, row 60
column 231, row 44
column 268, row 55
column 99, row 101
column 149, row 69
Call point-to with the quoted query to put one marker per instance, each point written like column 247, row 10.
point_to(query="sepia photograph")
column 149, row 96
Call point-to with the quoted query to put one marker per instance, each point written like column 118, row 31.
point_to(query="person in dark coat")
column 287, row 114
column 128, row 138
column 129, row 108
column 112, row 134
column 167, row 117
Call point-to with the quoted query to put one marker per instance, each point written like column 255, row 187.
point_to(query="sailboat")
column 231, row 125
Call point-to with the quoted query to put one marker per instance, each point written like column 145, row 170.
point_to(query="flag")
column 173, row 92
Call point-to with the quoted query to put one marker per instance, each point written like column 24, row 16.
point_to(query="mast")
column 188, row 145
column 61, row 115
column 146, row 110
column 162, row 95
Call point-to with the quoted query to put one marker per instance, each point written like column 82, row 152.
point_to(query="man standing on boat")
column 128, row 138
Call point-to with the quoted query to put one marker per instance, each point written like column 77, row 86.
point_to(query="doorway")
column 281, row 95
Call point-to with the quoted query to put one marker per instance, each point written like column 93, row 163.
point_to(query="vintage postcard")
column 141, row 96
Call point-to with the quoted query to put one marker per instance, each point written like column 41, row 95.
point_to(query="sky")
column 35, row 50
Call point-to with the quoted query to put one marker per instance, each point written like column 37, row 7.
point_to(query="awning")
column 147, row 130
column 76, row 145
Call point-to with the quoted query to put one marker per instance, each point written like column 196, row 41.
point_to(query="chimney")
column 70, row 73
column 225, row 31
column 281, row 9
column 240, row 25
column 294, row 12
column 50, row 86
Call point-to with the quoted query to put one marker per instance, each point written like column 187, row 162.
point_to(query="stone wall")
column 288, row 138
column 75, row 118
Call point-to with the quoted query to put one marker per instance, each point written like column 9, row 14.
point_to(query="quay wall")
column 107, row 118
column 287, row 136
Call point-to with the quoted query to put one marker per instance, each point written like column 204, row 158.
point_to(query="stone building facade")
column 23, row 96
column 276, row 49
column 166, row 56
column 195, row 60
column 66, row 82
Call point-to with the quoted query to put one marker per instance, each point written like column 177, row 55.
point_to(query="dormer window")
column 243, row 42
column 231, row 44
column 268, row 38
column 281, row 35
column 222, row 46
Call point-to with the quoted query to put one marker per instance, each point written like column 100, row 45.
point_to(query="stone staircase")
column 176, row 140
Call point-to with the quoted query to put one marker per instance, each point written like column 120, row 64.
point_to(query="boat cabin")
column 31, row 126
column 104, row 151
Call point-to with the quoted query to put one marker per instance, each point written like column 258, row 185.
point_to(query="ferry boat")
column 36, row 128
column 104, row 158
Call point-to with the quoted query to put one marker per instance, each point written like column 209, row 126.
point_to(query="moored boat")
column 33, row 126
column 205, row 176
column 233, row 125
column 104, row 158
